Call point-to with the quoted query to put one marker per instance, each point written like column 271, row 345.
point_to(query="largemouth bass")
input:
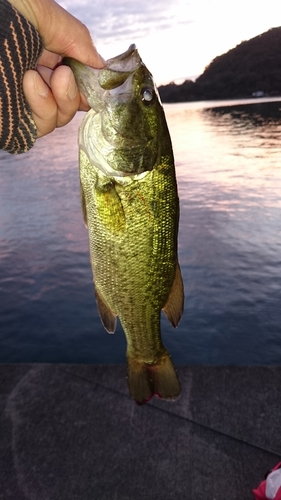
column 131, row 208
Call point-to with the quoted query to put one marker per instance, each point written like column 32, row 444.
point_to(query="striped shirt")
column 20, row 48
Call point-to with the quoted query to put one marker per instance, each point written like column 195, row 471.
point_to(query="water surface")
column 228, row 161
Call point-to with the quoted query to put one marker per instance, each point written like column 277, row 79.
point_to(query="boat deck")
column 72, row 432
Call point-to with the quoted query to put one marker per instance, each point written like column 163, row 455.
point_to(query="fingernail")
column 72, row 89
column 40, row 86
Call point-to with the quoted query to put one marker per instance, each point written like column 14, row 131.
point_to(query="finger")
column 62, row 33
column 41, row 102
column 65, row 93
column 45, row 73
column 65, row 35
column 83, row 106
column 49, row 59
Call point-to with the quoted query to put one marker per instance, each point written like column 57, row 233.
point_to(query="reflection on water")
column 229, row 176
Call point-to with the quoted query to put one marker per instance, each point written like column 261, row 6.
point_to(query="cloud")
column 111, row 20
column 157, row 27
column 176, row 39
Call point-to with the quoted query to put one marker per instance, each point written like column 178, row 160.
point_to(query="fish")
column 130, row 206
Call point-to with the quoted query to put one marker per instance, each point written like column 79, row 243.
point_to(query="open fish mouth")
column 119, row 68
column 120, row 133
column 93, row 83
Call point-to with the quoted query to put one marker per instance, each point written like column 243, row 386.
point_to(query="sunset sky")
column 176, row 39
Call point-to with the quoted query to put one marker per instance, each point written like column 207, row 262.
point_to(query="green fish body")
column 131, row 208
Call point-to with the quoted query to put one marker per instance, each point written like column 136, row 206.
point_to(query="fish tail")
column 146, row 380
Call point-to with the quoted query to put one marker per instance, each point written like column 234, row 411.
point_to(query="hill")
column 252, row 66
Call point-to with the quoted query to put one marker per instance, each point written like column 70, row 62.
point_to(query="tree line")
column 253, row 66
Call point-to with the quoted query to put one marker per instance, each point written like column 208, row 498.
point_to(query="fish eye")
column 147, row 96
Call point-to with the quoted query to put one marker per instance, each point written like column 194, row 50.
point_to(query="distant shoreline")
column 212, row 103
column 250, row 70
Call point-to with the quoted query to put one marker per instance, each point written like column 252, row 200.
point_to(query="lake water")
column 228, row 162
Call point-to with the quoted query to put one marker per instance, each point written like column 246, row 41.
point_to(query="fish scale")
column 132, row 218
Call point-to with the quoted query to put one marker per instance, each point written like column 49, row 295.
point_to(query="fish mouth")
column 126, row 57
column 114, row 139
column 94, row 83
column 121, row 67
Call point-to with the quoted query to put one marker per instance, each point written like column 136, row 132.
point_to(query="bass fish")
column 131, row 209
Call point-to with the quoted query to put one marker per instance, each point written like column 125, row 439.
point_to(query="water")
column 228, row 161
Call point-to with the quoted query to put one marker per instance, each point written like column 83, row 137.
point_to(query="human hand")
column 51, row 90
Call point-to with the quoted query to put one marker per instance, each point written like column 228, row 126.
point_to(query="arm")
column 17, row 128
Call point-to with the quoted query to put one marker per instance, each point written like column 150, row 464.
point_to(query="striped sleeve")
column 20, row 48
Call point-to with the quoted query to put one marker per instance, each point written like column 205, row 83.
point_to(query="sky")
column 176, row 39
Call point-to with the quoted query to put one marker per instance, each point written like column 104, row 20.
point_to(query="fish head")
column 125, row 131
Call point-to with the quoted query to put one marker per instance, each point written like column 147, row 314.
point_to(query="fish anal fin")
column 174, row 305
column 146, row 380
column 108, row 318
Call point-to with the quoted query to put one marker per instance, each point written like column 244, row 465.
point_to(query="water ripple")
column 228, row 161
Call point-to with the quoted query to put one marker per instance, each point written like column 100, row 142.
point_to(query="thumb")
column 62, row 33
column 67, row 36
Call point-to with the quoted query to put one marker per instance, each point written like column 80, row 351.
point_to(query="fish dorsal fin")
column 174, row 305
column 83, row 203
column 108, row 317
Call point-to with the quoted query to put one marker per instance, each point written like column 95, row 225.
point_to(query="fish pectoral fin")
column 83, row 203
column 108, row 317
column 174, row 305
